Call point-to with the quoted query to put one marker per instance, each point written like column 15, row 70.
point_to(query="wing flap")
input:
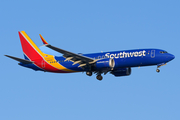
column 19, row 59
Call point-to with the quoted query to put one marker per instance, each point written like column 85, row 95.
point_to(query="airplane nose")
column 171, row 56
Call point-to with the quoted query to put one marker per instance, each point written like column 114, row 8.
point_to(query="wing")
column 75, row 58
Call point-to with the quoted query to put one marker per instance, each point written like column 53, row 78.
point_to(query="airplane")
column 117, row 63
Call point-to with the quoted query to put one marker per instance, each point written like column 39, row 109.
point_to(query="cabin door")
column 152, row 53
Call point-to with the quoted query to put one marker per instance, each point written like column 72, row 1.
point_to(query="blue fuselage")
column 125, row 58
column 118, row 63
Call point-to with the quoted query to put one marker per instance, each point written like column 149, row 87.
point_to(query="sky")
column 83, row 26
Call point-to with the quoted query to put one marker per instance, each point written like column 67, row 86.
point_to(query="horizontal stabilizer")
column 20, row 60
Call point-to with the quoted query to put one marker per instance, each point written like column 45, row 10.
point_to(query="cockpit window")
column 163, row 52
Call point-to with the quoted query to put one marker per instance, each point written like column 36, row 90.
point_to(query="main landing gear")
column 99, row 77
column 89, row 73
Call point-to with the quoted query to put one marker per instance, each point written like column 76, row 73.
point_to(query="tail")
column 35, row 58
column 30, row 50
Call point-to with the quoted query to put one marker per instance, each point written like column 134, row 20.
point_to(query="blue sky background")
column 83, row 26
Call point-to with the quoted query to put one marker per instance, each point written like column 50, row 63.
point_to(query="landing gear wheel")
column 99, row 77
column 158, row 70
column 89, row 73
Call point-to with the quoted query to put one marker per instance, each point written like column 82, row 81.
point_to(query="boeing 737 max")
column 118, row 63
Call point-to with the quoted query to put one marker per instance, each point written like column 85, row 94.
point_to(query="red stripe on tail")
column 35, row 54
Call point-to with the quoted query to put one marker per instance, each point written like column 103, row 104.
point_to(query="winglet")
column 43, row 40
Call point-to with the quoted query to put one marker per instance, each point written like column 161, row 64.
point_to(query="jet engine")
column 105, row 63
column 121, row 72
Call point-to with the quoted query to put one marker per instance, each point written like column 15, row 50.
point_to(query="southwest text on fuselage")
column 126, row 54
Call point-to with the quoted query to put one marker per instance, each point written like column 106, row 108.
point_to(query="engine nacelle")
column 121, row 72
column 105, row 63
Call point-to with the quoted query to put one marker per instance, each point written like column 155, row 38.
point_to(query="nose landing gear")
column 158, row 66
column 157, row 70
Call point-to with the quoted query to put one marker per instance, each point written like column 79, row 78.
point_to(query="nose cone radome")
column 171, row 57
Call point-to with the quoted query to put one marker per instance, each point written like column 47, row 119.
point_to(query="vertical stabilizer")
column 31, row 51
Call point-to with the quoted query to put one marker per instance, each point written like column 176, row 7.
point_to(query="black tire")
column 89, row 73
column 99, row 77
column 157, row 70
